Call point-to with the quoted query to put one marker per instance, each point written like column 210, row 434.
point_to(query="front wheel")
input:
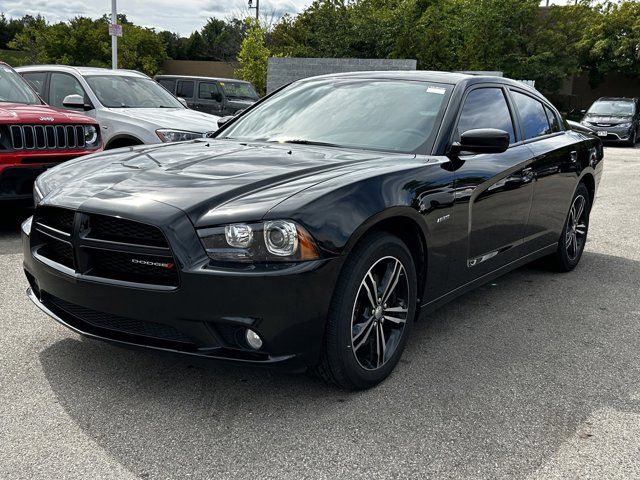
column 574, row 234
column 371, row 314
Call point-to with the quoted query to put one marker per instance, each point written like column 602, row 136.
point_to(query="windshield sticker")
column 438, row 90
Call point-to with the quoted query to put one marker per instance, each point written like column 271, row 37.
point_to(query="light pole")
column 257, row 7
column 114, row 38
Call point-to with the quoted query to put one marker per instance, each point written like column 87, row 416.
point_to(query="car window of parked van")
column 185, row 89
column 532, row 115
column 168, row 83
column 474, row 112
column 209, row 91
column 36, row 80
column 61, row 85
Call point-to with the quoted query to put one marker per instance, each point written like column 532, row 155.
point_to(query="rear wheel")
column 371, row 314
column 574, row 234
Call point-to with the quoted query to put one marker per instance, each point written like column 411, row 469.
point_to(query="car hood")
column 212, row 181
column 39, row 114
column 607, row 119
column 176, row 118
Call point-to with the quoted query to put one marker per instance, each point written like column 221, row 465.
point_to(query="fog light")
column 253, row 339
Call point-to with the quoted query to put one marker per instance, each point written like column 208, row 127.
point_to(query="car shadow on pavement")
column 489, row 386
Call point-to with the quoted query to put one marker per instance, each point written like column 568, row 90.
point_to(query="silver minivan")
column 131, row 108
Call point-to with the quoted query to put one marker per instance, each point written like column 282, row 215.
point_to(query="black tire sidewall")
column 362, row 258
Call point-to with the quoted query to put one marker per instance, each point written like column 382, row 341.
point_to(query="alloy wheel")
column 576, row 228
column 380, row 313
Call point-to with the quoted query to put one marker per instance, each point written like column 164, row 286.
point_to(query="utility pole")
column 114, row 37
column 257, row 7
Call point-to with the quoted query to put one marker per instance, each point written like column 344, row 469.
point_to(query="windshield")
column 618, row 108
column 115, row 91
column 239, row 90
column 14, row 89
column 388, row 115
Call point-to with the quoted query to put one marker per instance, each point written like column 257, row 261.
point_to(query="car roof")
column 617, row 99
column 197, row 77
column 430, row 76
column 82, row 70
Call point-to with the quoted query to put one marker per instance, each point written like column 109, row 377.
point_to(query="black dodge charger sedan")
column 312, row 229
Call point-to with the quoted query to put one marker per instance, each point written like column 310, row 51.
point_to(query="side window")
column 36, row 80
column 534, row 119
column 185, row 89
column 553, row 120
column 486, row 108
column 208, row 91
column 61, row 85
column 168, row 83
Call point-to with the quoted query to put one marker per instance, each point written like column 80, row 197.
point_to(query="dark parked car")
column 615, row 119
column 285, row 240
column 218, row 96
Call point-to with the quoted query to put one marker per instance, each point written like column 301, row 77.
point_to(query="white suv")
column 130, row 107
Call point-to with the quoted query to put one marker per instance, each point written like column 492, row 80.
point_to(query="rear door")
column 557, row 156
column 493, row 191
column 186, row 89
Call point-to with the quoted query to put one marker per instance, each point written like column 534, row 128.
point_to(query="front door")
column 209, row 98
column 493, row 191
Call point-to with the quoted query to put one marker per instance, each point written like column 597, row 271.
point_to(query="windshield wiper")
column 309, row 142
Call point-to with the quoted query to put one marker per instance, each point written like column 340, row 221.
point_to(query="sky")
column 182, row 16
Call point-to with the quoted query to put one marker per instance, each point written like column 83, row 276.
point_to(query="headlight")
column 271, row 241
column 90, row 136
column 624, row 125
column 167, row 135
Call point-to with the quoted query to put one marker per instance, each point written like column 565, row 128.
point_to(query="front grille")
column 59, row 252
column 47, row 137
column 132, row 267
column 58, row 218
column 125, row 231
column 104, row 247
column 116, row 323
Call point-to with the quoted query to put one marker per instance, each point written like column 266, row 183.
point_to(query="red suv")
column 34, row 136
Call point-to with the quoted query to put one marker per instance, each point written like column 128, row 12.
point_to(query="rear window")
column 168, row 83
column 185, row 89
column 532, row 115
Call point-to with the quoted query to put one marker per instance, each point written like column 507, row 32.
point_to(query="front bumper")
column 18, row 170
column 206, row 315
column 613, row 133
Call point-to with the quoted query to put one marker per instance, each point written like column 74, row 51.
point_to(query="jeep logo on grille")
column 46, row 119
column 168, row 266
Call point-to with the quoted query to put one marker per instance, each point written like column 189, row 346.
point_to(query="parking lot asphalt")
column 534, row 376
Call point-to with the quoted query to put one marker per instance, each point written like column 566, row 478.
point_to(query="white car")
column 131, row 108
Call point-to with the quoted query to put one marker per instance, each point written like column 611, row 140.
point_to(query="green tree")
column 253, row 56
column 611, row 43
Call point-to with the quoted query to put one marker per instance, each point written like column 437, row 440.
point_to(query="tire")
column 574, row 234
column 362, row 343
column 633, row 139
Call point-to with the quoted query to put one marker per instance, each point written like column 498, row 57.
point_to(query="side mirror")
column 582, row 112
column 75, row 101
column 183, row 102
column 482, row 140
column 224, row 120
column 217, row 97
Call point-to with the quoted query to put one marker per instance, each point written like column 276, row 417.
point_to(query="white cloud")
column 182, row 16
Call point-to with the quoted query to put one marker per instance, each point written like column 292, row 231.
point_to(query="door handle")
column 574, row 156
